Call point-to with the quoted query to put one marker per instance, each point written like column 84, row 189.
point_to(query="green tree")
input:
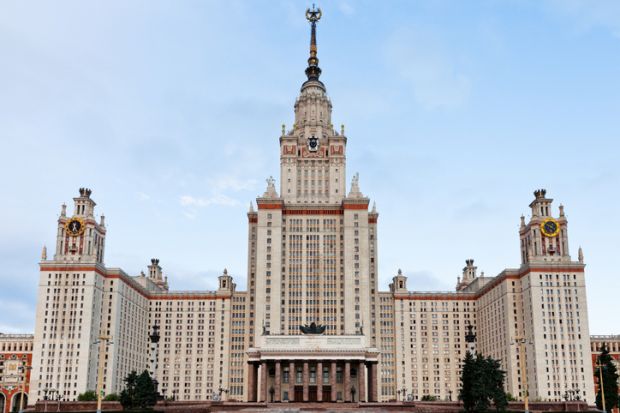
column 482, row 381
column 87, row 396
column 610, row 380
column 429, row 398
column 112, row 397
column 139, row 392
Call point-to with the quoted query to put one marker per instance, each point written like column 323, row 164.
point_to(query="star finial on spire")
column 313, row 71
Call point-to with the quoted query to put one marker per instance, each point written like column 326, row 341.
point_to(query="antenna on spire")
column 313, row 71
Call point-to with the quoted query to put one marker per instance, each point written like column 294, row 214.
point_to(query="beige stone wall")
column 194, row 351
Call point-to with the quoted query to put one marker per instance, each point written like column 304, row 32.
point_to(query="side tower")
column 79, row 302
column 70, row 303
column 554, row 304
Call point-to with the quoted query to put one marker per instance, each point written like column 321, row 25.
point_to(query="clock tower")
column 80, row 237
column 544, row 238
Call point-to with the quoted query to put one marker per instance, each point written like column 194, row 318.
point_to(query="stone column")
column 292, row 376
column 347, row 381
column 278, row 387
column 373, row 382
column 251, row 382
column 319, row 381
column 306, row 380
column 263, row 382
column 332, row 380
column 361, row 382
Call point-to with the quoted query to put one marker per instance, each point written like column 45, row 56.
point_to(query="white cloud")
column 435, row 80
column 143, row 197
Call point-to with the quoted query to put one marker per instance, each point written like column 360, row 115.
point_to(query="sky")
column 170, row 111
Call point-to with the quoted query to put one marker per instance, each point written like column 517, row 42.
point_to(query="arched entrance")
column 15, row 401
column 2, row 402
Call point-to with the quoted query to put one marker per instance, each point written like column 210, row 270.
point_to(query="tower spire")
column 313, row 71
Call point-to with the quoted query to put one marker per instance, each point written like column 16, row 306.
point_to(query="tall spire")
column 313, row 71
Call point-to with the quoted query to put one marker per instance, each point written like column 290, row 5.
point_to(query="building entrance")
column 327, row 393
column 299, row 393
column 312, row 393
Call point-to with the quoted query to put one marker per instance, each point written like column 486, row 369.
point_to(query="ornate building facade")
column 312, row 263
column 15, row 358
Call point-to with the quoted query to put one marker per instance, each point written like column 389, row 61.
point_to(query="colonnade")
column 312, row 381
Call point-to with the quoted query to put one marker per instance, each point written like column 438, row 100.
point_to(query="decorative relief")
column 283, row 340
column 289, row 150
column 345, row 341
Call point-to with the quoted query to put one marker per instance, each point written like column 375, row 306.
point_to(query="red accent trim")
column 253, row 219
column 312, row 212
column 173, row 296
column 269, row 206
column 355, row 206
column 372, row 220
column 498, row 280
column 431, row 296
column 137, row 287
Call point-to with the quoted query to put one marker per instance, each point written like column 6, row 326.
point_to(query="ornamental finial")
column 313, row 71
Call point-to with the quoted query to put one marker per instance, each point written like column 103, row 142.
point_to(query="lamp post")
column 45, row 391
column 103, row 345
column 225, row 391
column 600, row 384
column 521, row 341
column 24, row 370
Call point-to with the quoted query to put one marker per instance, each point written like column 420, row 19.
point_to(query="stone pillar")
column 263, row 382
column 278, row 387
column 332, row 380
column 319, row 381
column 306, row 380
column 251, row 382
column 361, row 382
column 347, row 381
column 373, row 382
column 292, row 376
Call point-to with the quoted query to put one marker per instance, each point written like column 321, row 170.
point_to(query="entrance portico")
column 312, row 368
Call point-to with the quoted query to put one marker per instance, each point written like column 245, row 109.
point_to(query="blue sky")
column 171, row 111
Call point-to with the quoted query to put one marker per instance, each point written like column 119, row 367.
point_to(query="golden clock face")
column 74, row 227
column 550, row 227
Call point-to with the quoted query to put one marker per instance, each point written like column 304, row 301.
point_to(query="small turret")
column 469, row 274
column 399, row 283
column 226, row 282
column 156, row 274
column 84, row 205
column 541, row 204
column 44, row 253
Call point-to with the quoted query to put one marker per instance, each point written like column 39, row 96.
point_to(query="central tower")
column 312, row 153
column 312, row 259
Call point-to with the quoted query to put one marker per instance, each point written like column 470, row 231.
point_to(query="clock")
column 550, row 227
column 313, row 143
column 74, row 227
